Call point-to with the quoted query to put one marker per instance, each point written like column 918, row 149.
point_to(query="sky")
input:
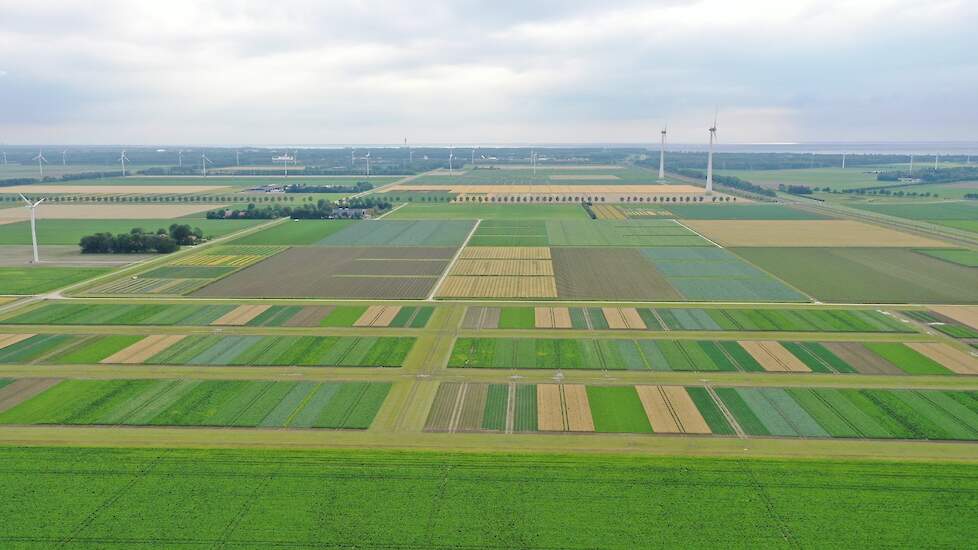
column 498, row 71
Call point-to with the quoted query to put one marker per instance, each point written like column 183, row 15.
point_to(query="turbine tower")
column 123, row 158
column 843, row 160
column 180, row 158
column 64, row 158
column 33, row 207
column 662, row 154
column 5, row 158
column 41, row 161
column 237, row 158
column 911, row 165
column 935, row 161
column 203, row 164
column 533, row 161
column 451, row 157
column 709, row 158
column 367, row 157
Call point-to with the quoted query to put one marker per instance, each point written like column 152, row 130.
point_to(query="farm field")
column 436, row 211
column 959, row 256
column 339, row 272
column 401, row 233
column 702, row 356
column 295, row 232
column 748, row 503
column 954, row 321
column 918, row 210
column 206, row 350
column 868, row 275
column 190, row 314
column 835, row 178
column 105, row 212
column 679, row 319
column 186, row 273
column 606, row 233
column 75, row 188
column 580, row 175
column 35, row 280
column 740, row 212
column 806, row 233
column 71, row 231
column 63, row 255
column 693, row 410
column 264, row 404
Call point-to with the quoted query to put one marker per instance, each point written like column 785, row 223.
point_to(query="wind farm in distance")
column 617, row 275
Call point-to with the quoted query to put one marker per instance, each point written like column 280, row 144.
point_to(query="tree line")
column 139, row 241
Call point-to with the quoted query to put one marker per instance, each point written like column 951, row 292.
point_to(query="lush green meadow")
column 439, row 211
column 295, row 232
column 394, row 499
column 835, row 178
column 401, row 233
column 35, row 280
column 71, row 231
column 239, row 403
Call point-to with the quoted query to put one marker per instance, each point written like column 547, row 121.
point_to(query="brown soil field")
column 240, row 315
column 473, row 408
column 443, row 409
column 806, row 233
column 503, row 267
column 562, row 317
column 609, row 274
column 773, row 356
column 334, row 272
column 369, row 316
column 607, row 212
column 690, row 419
column 106, row 212
column 632, row 319
column 614, row 318
column 581, row 177
column 386, row 316
column 113, row 189
column 543, row 317
column 309, row 316
column 657, row 410
column 861, row 359
column 962, row 314
column 505, row 253
column 578, row 409
column 550, row 415
column 19, row 391
column 11, row 339
column 386, row 267
column 497, row 287
column 953, row 359
column 481, row 317
column 143, row 349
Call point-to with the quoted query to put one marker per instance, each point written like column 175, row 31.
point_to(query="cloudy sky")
column 496, row 71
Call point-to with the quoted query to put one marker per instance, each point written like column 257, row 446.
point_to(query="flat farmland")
column 868, row 275
column 959, row 256
column 401, row 233
column 848, row 503
column 435, row 211
column 71, row 231
column 295, row 232
column 918, row 210
column 834, row 178
column 338, row 272
column 105, row 189
column 595, row 233
column 105, row 211
column 580, row 175
column 806, row 233
column 35, row 279
column 608, row 274
column 752, row 211
column 346, row 405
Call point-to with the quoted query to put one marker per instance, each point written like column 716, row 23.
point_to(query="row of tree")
column 728, row 181
column 360, row 187
column 139, row 241
column 933, row 175
column 320, row 210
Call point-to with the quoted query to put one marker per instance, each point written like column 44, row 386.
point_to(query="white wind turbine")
column 709, row 158
column 5, row 158
column 843, row 160
column 64, row 158
column 41, row 161
column 33, row 207
column 180, row 158
column 451, row 157
column 123, row 158
column 367, row 157
column 203, row 164
column 935, row 161
column 533, row 161
column 237, row 158
column 662, row 154
column 911, row 165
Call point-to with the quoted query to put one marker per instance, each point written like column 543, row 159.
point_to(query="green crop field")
column 388, row 499
column 835, row 178
column 525, row 176
column 401, row 233
column 421, row 211
column 917, row 210
column 71, row 231
column 350, row 405
column 960, row 256
column 880, row 275
column 739, row 212
column 35, row 280
column 295, row 232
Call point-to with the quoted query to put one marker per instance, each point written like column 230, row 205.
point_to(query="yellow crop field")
column 505, row 253
column 503, row 267
column 806, row 233
column 460, row 286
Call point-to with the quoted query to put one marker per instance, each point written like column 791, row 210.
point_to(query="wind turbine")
column 368, row 163
column 709, row 158
column 843, row 160
column 123, row 158
column 203, row 164
column 40, row 162
column 533, row 161
column 33, row 207
column 451, row 157
column 64, row 158
column 180, row 158
column 935, row 161
column 911, row 165
column 5, row 158
column 353, row 158
column 662, row 154
column 237, row 158
column 473, row 156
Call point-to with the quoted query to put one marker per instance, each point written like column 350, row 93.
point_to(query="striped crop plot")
column 206, row 350
column 955, row 321
column 426, row 233
column 681, row 319
column 187, row 273
column 890, row 358
column 76, row 313
column 338, row 272
column 501, row 272
column 255, row 404
column 692, row 410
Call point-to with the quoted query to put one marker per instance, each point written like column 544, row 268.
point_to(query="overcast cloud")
column 315, row 72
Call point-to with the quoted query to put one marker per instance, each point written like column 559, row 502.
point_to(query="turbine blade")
column 38, row 202
column 25, row 198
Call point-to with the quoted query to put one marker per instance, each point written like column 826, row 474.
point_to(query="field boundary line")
column 391, row 211
column 698, row 234
column 448, row 269
column 510, row 408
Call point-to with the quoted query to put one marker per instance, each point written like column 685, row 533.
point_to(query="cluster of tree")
column 795, row 189
column 895, row 192
column 728, row 181
column 320, row 210
column 360, row 187
column 972, row 196
column 139, row 241
column 933, row 175
column 589, row 210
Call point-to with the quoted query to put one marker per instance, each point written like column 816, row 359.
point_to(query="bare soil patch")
column 806, row 233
